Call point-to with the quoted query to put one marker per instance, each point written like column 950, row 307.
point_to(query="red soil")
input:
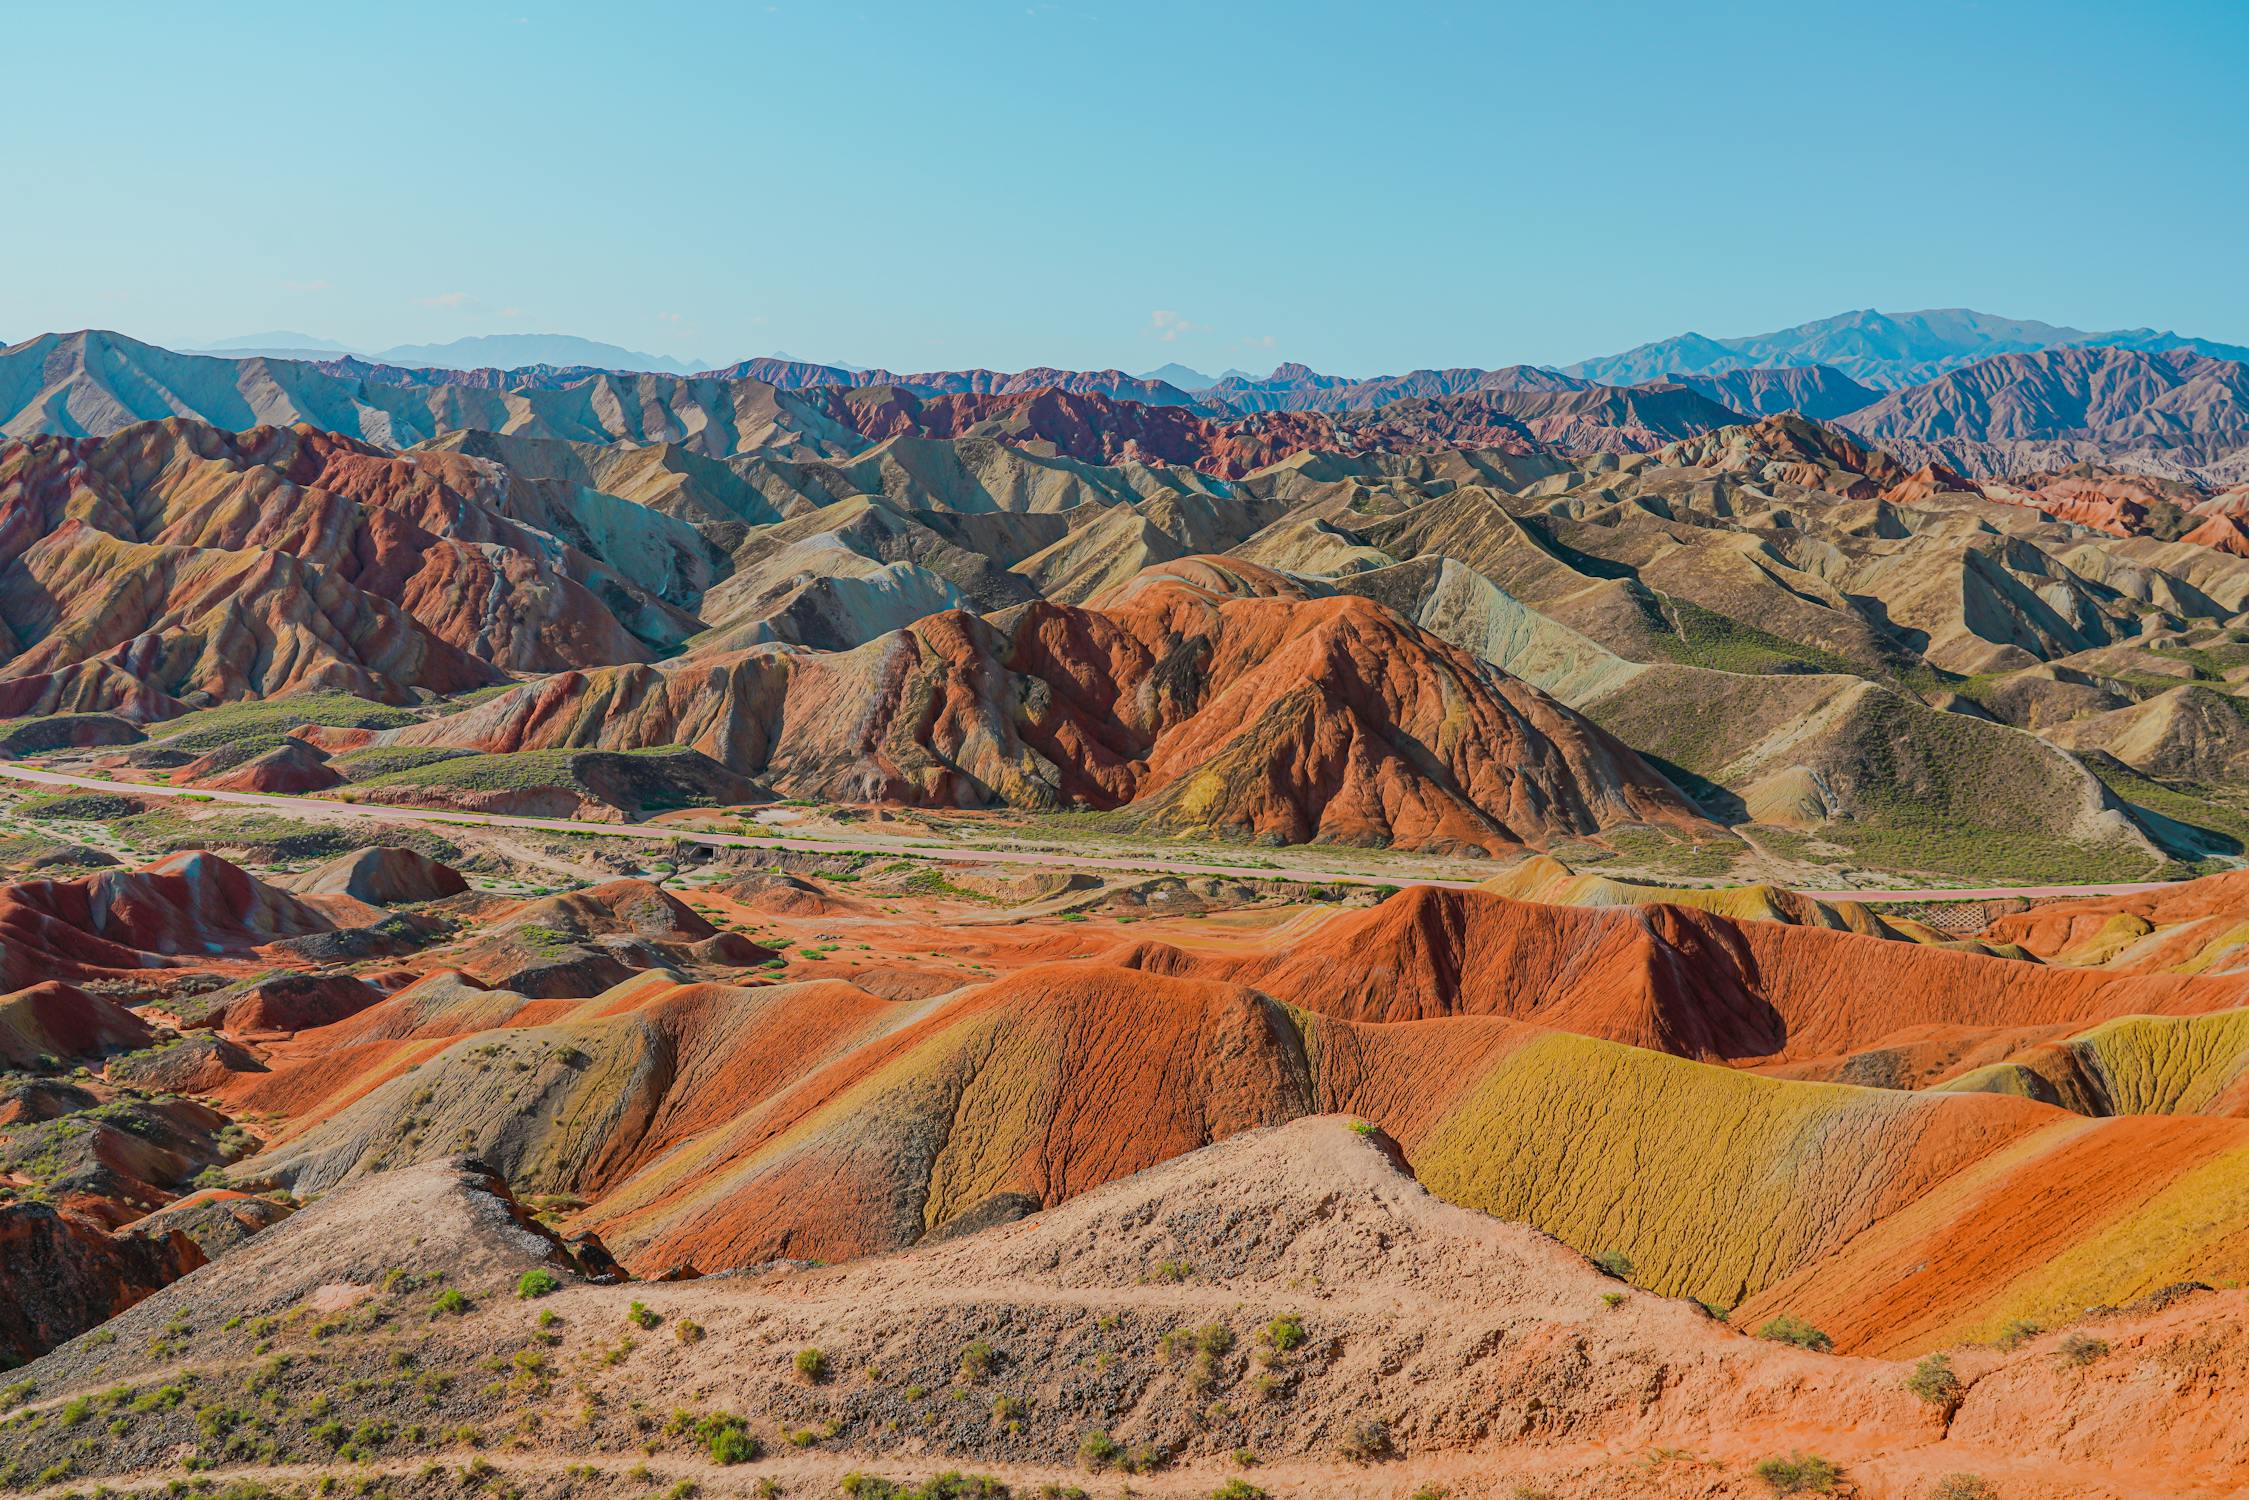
column 55, row 1020
column 185, row 910
column 1671, row 978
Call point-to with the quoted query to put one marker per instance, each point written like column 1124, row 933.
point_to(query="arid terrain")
column 1675, row 927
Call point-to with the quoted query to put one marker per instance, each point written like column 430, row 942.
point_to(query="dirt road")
column 315, row 807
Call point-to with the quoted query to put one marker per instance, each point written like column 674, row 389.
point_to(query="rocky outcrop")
column 60, row 1276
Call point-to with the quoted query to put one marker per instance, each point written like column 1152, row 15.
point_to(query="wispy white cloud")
column 444, row 299
column 302, row 287
column 1170, row 326
column 673, row 318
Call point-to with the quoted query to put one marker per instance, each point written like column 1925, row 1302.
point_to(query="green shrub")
column 1799, row 1473
column 978, row 1360
column 728, row 1442
column 1934, row 1381
column 450, row 1301
column 641, row 1315
column 1786, row 1329
column 811, row 1366
column 1237, row 1489
column 2081, row 1349
column 1097, row 1450
column 688, row 1331
column 1614, row 1263
column 1284, row 1333
column 537, row 1282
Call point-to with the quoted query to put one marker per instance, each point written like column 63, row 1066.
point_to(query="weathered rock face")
column 1206, row 697
column 59, row 1275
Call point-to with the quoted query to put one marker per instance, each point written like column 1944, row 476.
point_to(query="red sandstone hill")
column 1208, row 697
column 174, row 558
column 716, row 1126
column 183, row 911
column 1676, row 979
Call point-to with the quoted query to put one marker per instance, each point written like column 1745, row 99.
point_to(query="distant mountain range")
column 2174, row 412
column 1864, row 353
column 1887, row 350
column 796, row 375
column 504, row 351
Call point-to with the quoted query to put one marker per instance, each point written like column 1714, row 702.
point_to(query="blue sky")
column 1362, row 186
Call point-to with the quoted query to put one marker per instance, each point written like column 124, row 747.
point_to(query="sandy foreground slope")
column 1437, row 1344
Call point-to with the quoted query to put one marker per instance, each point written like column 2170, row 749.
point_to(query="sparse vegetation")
column 537, row 1282
column 1934, row 1381
column 1798, row 1474
column 1963, row 1487
column 948, row 1486
column 2017, row 1333
column 2081, row 1349
column 1366, row 1442
column 811, row 1366
column 1788, row 1329
column 1284, row 1334
column 728, row 1439
column 1098, row 1451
